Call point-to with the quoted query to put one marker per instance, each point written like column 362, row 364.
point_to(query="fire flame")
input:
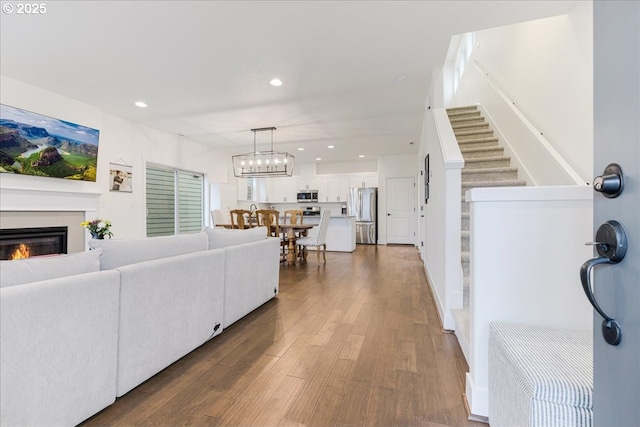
column 23, row 251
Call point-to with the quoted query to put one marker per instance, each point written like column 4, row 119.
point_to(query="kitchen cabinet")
column 245, row 191
column 333, row 188
column 307, row 183
column 283, row 190
column 363, row 180
column 341, row 232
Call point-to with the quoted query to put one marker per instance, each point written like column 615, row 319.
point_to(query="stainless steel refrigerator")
column 363, row 204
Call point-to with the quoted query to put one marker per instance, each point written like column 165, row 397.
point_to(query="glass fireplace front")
column 19, row 243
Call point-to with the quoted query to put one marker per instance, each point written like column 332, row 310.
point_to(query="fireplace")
column 17, row 243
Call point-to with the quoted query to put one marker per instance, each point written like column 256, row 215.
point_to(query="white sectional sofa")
column 79, row 330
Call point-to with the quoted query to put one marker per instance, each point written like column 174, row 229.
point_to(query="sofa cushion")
column 222, row 237
column 119, row 252
column 18, row 272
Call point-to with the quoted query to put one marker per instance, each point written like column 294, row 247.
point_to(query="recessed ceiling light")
column 275, row 82
column 141, row 104
column 330, row 146
column 300, row 149
column 318, row 158
column 361, row 155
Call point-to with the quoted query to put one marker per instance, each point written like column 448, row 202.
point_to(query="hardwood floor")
column 355, row 342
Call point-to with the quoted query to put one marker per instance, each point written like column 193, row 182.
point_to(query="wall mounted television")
column 34, row 144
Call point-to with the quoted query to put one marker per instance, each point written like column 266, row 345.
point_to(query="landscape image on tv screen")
column 33, row 144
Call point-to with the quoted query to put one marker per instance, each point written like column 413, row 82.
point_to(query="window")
column 174, row 201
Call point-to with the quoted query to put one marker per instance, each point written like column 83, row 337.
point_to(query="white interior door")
column 617, row 140
column 401, row 210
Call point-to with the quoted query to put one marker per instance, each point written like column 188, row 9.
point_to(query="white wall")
column 546, row 68
column 120, row 140
column 442, row 214
column 527, row 246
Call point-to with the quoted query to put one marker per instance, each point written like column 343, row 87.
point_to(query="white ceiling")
column 355, row 73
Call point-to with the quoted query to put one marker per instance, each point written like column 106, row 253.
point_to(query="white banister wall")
column 442, row 214
column 527, row 246
column 537, row 161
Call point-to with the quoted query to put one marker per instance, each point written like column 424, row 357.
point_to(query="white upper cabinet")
column 363, row 180
column 333, row 188
column 244, row 191
column 307, row 183
column 284, row 190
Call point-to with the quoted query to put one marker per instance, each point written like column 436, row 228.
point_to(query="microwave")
column 307, row 196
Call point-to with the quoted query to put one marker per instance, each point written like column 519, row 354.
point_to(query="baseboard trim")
column 470, row 416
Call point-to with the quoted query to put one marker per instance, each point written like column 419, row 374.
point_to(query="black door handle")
column 611, row 244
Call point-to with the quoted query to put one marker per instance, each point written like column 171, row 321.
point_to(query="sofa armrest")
column 58, row 349
column 252, row 273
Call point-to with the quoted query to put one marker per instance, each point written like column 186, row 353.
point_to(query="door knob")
column 611, row 182
column 611, row 245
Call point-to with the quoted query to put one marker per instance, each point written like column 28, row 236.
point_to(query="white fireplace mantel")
column 21, row 199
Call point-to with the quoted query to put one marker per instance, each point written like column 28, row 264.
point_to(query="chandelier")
column 262, row 163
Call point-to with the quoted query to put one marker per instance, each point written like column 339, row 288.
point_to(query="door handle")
column 611, row 244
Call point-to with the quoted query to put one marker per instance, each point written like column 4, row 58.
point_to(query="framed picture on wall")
column 426, row 169
column 120, row 177
column 426, row 179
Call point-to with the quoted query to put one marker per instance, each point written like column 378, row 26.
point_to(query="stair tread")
column 464, row 119
column 470, row 124
column 476, row 140
column 482, row 133
column 477, row 149
column 487, row 159
column 488, row 170
column 463, row 113
column 463, row 107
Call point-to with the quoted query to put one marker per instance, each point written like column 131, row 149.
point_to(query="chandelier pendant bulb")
column 262, row 163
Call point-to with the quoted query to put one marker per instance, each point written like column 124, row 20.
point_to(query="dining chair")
column 218, row 216
column 293, row 216
column 240, row 218
column 317, row 237
column 270, row 218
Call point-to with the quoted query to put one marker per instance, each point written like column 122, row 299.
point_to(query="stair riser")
column 463, row 114
column 479, row 144
column 488, row 164
column 463, row 108
column 464, row 223
column 466, row 246
column 460, row 137
column 470, row 126
column 467, row 119
column 488, row 153
column 489, row 176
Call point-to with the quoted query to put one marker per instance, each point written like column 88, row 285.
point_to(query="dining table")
column 290, row 230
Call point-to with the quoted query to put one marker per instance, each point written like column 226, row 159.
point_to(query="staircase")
column 485, row 165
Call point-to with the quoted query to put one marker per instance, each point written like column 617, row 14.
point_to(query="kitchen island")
column 341, row 234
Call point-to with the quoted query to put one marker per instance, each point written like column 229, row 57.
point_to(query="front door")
column 400, row 210
column 617, row 140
